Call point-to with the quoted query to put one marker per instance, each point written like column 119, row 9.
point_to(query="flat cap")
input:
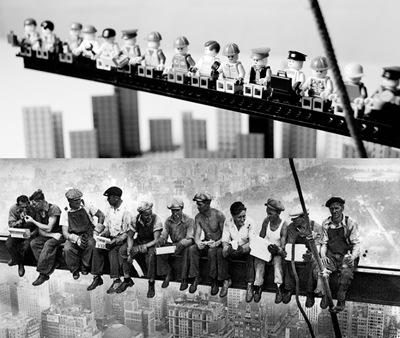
column 202, row 196
column 176, row 203
column 113, row 191
column 129, row 34
column 76, row 26
column 73, row 194
column 89, row 29
column 260, row 53
column 144, row 206
column 275, row 204
column 37, row 195
column 297, row 213
column 334, row 199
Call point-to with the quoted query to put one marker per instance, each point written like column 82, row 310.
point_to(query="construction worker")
column 78, row 228
column 31, row 36
column 232, row 69
column 319, row 84
column 19, row 247
column 154, row 56
column 180, row 228
column 47, row 243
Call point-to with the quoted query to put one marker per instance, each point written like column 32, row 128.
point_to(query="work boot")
column 11, row 262
column 340, row 306
column 85, row 270
column 225, row 287
column 324, row 302
column 286, row 296
column 193, row 287
column 278, row 296
column 214, row 287
column 184, row 285
column 310, row 301
column 249, row 292
column 97, row 281
column 40, row 280
column 114, row 286
column 257, row 293
column 21, row 270
column 75, row 275
column 128, row 282
column 165, row 283
column 151, row 291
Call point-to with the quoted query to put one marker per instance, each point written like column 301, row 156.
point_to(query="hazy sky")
column 362, row 31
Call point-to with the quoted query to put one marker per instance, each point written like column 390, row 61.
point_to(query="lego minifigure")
column 89, row 45
column 319, row 84
column 182, row 61
column 109, row 48
column 353, row 74
column 209, row 63
column 295, row 61
column 154, row 56
column 233, row 69
column 75, row 38
column 31, row 37
column 130, row 48
column 260, row 73
column 49, row 39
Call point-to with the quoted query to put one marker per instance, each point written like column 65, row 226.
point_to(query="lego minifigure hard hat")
column 154, row 36
column 76, row 26
column 319, row 63
column 391, row 73
column 129, row 34
column 47, row 24
column 30, row 21
column 260, row 53
column 180, row 42
column 231, row 49
column 89, row 29
column 354, row 70
column 108, row 33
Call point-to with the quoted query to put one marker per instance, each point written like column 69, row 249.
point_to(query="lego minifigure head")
column 260, row 56
column 320, row 66
column 231, row 51
column 129, row 36
column 181, row 45
column 108, row 35
column 238, row 212
column 353, row 73
column 29, row 25
column 211, row 48
column 153, row 40
column 47, row 27
column 296, row 60
column 89, row 32
column 390, row 77
column 75, row 30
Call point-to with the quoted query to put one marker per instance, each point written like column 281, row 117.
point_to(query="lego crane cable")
column 348, row 111
column 315, row 254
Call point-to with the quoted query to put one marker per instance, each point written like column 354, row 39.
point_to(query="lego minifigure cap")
column 89, row 29
column 76, row 26
column 334, row 199
column 236, row 208
column 297, row 213
column 275, row 204
column 47, row 25
column 37, row 195
column 202, row 196
column 154, row 36
column 30, row 21
column 391, row 73
column 260, row 53
column 353, row 70
column 73, row 194
column 108, row 33
column 113, row 191
column 176, row 203
column 297, row 56
column 144, row 206
column 319, row 63
column 181, row 41
column 129, row 34
column 231, row 49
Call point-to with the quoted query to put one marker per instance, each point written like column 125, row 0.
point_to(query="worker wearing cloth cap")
column 211, row 222
column 109, row 48
column 180, row 228
column 19, row 248
column 340, row 249
column 130, row 48
column 233, row 68
column 75, row 38
column 154, row 56
column 297, row 233
column 45, row 245
column 143, row 236
column 117, row 221
column 49, row 40
column 31, row 36
column 182, row 61
column 236, row 244
column 78, row 226
column 260, row 72
column 295, row 61
column 274, row 230
column 89, row 46
column 209, row 63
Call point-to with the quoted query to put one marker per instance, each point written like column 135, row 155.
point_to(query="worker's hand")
column 143, row 248
column 348, row 259
column 201, row 245
column 273, row 249
column 325, row 261
column 79, row 241
column 226, row 251
column 99, row 228
column 179, row 247
column 73, row 238
column 56, row 236
column 28, row 219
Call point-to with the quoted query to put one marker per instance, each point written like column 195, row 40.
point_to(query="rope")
column 348, row 111
column 296, row 278
column 315, row 254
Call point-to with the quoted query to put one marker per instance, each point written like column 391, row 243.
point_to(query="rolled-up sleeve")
column 158, row 225
column 13, row 217
column 126, row 221
column 324, row 237
column 165, row 231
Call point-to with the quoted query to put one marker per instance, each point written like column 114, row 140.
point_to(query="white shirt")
column 232, row 233
column 274, row 237
column 118, row 221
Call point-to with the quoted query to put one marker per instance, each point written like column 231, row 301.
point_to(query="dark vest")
column 145, row 232
column 79, row 222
